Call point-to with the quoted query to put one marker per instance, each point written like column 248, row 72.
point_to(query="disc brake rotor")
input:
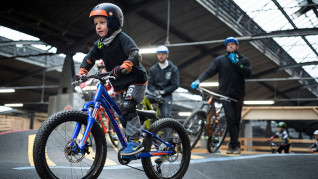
column 71, row 154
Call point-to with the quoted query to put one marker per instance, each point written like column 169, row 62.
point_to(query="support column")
column 67, row 75
column 31, row 115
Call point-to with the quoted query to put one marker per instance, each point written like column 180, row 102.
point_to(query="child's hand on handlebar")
column 79, row 78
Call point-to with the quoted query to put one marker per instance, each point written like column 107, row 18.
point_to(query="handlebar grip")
column 123, row 71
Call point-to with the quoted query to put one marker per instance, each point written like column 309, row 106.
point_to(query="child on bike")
column 283, row 136
column 314, row 147
column 121, row 57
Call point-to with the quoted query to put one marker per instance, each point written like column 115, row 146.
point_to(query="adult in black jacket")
column 233, row 68
column 164, row 80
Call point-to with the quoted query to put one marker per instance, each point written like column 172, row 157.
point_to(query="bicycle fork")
column 92, row 115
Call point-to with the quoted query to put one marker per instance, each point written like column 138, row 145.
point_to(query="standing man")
column 164, row 80
column 233, row 68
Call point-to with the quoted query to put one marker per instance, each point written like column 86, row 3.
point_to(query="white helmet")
column 162, row 49
column 316, row 132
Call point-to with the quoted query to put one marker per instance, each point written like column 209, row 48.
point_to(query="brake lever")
column 108, row 77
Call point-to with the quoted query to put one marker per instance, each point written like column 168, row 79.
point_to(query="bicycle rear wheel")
column 218, row 135
column 194, row 125
column 53, row 157
column 167, row 166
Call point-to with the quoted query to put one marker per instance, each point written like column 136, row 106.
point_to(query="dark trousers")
column 285, row 148
column 165, row 107
column 233, row 112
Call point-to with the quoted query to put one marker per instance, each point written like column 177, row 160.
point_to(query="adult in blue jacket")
column 164, row 80
column 233, row 68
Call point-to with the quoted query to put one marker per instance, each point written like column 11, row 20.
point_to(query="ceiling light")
column 14, row 105
column 184, row 113
column 206, row 84
column 5, row 109
column 259, row 102
column 147, row 50
column 7, row 90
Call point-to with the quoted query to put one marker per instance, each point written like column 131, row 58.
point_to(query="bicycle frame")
column 102, row 98
column 147, row 106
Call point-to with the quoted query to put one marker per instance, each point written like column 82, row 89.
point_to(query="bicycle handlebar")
column 99, row 76
column 216, row 94
column 157, row 97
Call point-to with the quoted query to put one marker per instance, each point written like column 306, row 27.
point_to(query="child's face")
column 101, row 25
column 280, row 129
column 316, row 136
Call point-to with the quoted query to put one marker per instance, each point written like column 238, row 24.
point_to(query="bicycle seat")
column 146, row 113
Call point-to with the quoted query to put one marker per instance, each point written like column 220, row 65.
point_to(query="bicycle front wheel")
column 194, row 125
column 52, row 155
column 167, row 166
column 219, row 133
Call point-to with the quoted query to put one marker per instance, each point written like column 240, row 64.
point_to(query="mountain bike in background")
column 147, row 105
column 208, row 119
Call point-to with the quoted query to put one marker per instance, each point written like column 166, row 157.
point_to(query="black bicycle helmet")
column 114, row 15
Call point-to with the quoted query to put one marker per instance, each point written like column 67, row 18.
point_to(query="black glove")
column 117, row 71
column 159, row 92
column 80, row 78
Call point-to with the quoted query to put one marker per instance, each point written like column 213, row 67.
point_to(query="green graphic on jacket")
column 100, row 45
column 168, row 75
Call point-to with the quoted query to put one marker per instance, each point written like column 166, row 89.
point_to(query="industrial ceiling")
column 178, row 24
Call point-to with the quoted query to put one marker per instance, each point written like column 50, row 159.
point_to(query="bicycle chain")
column 135, row 168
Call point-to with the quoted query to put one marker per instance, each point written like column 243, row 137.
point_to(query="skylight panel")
column 270, row 18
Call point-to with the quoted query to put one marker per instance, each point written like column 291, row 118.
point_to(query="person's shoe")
column 132, row 148
column 229, row 150
column 237, row 150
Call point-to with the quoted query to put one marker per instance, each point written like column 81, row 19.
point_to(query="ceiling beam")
column 211, row 51
column 22, row 74
column 163, row 25
column 273, row 34
column 23, row 42
column 275, row 69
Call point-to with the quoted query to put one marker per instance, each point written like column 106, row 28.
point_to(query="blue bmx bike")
column 71, row 144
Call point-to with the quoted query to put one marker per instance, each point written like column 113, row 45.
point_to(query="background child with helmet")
column 283, row 136
column 314, row 147
column 121, row 57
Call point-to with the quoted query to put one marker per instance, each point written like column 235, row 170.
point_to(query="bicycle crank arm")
column 154, row 153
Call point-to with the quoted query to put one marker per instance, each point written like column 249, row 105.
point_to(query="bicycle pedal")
column 129, row 157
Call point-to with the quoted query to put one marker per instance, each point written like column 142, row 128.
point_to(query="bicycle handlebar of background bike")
column 216, row 94
column 157, row 97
